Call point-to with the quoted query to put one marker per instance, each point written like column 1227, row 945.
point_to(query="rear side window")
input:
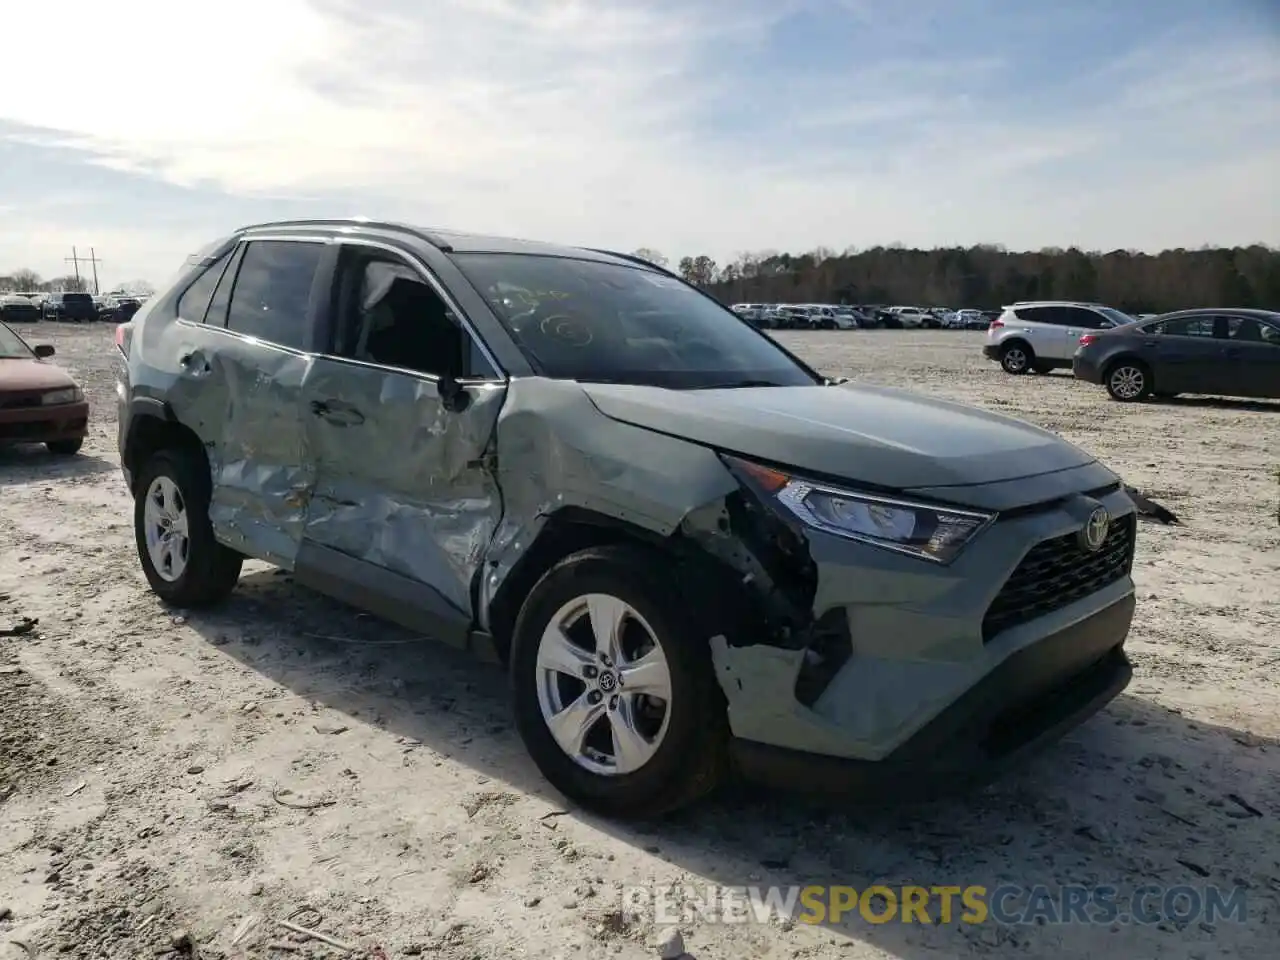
column 1033, row 314
column 273, row 290
column 195, row 301
column 1184, row 327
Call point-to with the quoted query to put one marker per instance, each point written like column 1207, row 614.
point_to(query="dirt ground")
column 174, row 780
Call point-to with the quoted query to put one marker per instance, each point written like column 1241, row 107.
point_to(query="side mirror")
column 44, row 350
column 453, row 395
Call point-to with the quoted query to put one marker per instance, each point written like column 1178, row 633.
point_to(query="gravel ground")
column 165, row 779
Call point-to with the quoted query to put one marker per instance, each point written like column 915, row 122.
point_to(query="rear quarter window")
column 194, row 302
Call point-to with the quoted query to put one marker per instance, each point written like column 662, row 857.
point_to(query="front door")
column 400, row 412
column 1253, row 351
column 1188, row 356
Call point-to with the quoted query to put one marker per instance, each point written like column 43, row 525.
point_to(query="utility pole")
column 76, row 260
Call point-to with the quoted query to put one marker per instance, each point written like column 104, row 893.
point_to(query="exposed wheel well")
column 148, row 435
column 566, row 531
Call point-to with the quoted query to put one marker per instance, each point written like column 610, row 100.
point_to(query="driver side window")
column 388, row 315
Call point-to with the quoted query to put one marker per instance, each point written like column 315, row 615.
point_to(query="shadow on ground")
column 32, row 463
column 1140, row 795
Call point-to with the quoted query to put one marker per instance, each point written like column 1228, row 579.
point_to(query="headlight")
column 923, row 530
column 66, row 395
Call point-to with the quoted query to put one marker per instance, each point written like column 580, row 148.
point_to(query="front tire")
column 1128, row 381
column 1016, row 358
column 615, row 695
column 183, row 563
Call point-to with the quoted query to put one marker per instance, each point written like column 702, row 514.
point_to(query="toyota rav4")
column 692, row 552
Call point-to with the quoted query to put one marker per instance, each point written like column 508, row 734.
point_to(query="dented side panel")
column 402, row 482
column 242, row 398
column 556, row 450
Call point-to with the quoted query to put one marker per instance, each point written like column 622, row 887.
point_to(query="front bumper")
column 902, row 652
column 1027, row 703
column 67, row 421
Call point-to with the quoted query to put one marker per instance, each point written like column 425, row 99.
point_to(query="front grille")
column 21, row 401
column 1059, row 572
column 28, row 430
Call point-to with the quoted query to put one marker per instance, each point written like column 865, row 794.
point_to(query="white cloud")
column 595, row 121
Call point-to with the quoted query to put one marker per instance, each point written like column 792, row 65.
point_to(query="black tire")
column 65, row 448
column 1017, row 357
column 1128, row 381
column 211, row 570
column 692, row 757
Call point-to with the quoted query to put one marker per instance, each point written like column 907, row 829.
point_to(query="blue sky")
column 691, row 126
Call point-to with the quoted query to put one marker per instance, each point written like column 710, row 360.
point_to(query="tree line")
column 988, row 277
column 28, row 281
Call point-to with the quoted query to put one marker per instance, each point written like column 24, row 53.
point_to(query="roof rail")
column 431, row 238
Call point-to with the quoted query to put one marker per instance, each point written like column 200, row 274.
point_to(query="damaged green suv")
column 692, row 552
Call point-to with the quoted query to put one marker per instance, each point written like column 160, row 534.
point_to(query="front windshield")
column 1116, row 316
column 604, row 322
column 11, row 345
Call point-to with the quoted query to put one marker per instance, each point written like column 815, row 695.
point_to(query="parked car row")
column 819, row 316
column 1219, row 351
column 69, row 307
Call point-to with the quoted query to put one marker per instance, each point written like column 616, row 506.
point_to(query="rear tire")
column 65, row 448
column 1128, row 381
column 196, row 570
column 1017, row 357
column 685, row 752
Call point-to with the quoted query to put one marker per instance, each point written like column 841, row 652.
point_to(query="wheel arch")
column 152, row 428
column 1018, row 341
column 565, row 532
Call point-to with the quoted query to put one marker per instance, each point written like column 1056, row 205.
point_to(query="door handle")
column 337, row 413
column 1150, row 343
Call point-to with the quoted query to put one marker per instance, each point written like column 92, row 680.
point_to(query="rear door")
column 1039, row 327
column 241, row 379
column 400, row 412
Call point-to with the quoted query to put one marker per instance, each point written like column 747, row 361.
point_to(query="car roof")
column 449, row 241
column 1053, row 303
column 1221, row 311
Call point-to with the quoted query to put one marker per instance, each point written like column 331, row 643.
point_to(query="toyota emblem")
column 1094, row 534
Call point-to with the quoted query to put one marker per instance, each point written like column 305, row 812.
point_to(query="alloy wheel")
column 165, row 520
column 604, row 686
column 1127, row 383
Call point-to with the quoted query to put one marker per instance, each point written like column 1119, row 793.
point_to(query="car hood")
column 27, row 374
column 876, row 436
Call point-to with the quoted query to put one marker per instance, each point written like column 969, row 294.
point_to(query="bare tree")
column 68, row 284
column 651, row 255
column 138, row 288
column 25, row 279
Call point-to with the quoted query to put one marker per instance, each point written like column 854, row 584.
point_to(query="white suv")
column 1042, row 335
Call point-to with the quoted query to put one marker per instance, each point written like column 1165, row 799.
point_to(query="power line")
column 76, row 260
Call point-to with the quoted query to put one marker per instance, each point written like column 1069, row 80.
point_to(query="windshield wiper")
column 732, row 384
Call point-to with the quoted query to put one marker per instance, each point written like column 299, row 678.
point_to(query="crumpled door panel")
column 401, row 482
